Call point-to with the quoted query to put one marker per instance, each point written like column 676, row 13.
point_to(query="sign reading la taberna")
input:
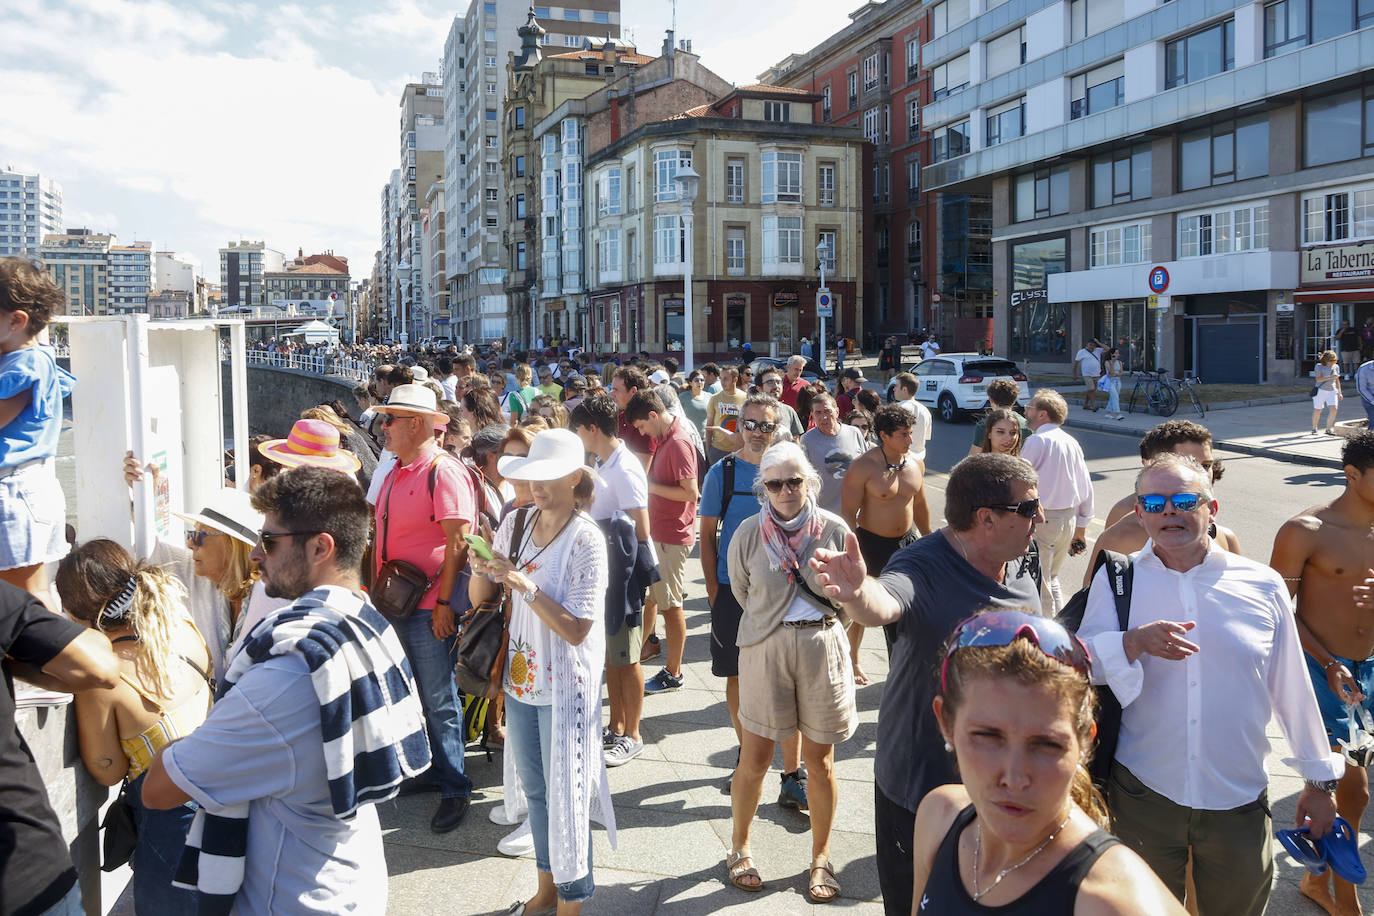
column 1336, row 263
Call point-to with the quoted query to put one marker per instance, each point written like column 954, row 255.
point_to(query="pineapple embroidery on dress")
column 523, row 668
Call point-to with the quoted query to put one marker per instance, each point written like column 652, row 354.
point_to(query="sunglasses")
column 1154, row 502
column 196, row 537
column 267, row 540
column 1002, row 628
column 751, row 425
column 791, row 483
column 1027, row 508
column 389, row 418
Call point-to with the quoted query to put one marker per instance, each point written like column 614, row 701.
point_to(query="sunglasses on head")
column 1154, row 502
column 791, row 483
column 196, row 537
column 1027, row 508
column 1002, row 628
column 763, row 427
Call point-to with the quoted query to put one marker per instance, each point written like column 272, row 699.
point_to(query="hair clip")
column 118, row 606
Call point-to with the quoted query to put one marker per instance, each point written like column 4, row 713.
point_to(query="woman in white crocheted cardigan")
column 557, row 576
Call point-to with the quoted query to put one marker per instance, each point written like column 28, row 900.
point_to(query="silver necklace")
column 978, row 849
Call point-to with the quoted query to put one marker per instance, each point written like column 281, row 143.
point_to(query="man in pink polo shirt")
column 673, row 495
column 425, row 526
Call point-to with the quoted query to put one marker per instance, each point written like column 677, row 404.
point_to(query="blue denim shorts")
column 33, row 517
column 1335, row 714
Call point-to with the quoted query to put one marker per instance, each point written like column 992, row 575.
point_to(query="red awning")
column 1335, row 295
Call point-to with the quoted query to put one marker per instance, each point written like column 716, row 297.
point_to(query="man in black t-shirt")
column 927, row 589
column 36, row 872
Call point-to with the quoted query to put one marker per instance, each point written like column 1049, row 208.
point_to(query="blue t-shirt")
column 742, row 505
column 33, row 434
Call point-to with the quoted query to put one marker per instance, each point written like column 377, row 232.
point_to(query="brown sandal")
column 827, row 882
column 737, row 866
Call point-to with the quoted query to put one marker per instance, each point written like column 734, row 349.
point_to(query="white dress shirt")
column 1064, row 480
column 1193, row 730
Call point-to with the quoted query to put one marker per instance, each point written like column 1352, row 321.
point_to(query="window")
column 825, row 102
column 489, row 8
column 492, row 195
column 913, row 116
column 608, row 251
column 1225, row 152
column 948, row 15
column 781, row 241
column 827, row 238
column 518, row 118
column 542, row 12
column 489, row 35
column 669, row 238
column 1113, row 246
column 913, row 179
column 1121, row 175
column 1338, row 127
column 491, row 114
column 1006, row 122
column 572, row 41
column 913, row 58
column 1042, row 193
column 782, row 177
column 1339, row 216
column 519, row 255
column 572, row 15
column 519, row 207
column 1290, row 24
column 601, row 17
column 1200, row 55
column 735, row 264
column 1285, row 26
column 608, row 193
column 873, row 129
column 825, row 185
column 630, row 194
column 870, row 72
column 777, row 111
column 666, row 165
column 913, row 240
column 1097, row 90
column 950, row 77
column 734, row 181
column 518, row 166
column 631, row 255
column 1088, row 17
column 853, row 91
column 951, row 141
column 1223, row 231
column 1005, row 52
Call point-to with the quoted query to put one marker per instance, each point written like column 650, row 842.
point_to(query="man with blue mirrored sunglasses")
column 1210, row 654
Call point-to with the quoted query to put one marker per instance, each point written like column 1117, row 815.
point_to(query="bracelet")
column 443, row 602
column 1331, row 664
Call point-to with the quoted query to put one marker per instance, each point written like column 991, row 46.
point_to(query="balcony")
column 913, row 253
column 912, row 71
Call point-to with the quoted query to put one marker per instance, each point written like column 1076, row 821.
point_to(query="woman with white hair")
column 795, row 672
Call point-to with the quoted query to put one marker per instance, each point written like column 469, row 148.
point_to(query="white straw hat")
column 554, row 454
column 415, row 398
column 230, row 512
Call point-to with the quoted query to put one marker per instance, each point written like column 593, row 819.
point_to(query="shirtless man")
column 1123, row 532
column 1324, row 554
column 883, row 501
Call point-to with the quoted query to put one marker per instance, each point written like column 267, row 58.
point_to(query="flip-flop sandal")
column 828, row 881
column 737, row 866
column 1341, row 852
column 1296, row 841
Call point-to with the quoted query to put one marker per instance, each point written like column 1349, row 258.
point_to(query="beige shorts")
column 798, row 680
column 623, row 647
column 669, row 590
column 1090, row 382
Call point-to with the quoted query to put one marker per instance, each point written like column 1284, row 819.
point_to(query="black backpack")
column 1120, row 575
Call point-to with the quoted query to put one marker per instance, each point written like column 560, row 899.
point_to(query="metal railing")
column 360, row 370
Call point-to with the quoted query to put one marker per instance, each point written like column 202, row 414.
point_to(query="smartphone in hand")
column 479, row 546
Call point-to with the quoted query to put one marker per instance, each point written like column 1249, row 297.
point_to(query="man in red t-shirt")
column 426, row 527
column 626, row 382
column 673, row 496
column 793, row 383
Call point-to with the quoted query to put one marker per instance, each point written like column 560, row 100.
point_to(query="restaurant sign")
column 1337, row 263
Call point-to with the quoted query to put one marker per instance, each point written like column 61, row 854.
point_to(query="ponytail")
column 158, row 605
column 1086, row 796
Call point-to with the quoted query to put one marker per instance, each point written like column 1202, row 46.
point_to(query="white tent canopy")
column 315, row 332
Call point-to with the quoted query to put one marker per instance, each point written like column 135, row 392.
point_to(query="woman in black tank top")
column 1024, row 833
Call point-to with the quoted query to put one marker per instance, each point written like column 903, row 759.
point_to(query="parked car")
column 953, row 384
column 811, row 372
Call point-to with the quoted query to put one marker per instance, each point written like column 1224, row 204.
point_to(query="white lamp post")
column 403, row 274
column 687, row 181
column 823, row 253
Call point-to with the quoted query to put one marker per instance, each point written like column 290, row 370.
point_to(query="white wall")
column 1047, row 104
column 1047, row 30
column 1144, row 70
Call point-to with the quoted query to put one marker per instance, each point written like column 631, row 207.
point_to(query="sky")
column 193, row 123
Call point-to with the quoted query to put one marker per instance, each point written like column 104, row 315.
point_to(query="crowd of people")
column 258, row 690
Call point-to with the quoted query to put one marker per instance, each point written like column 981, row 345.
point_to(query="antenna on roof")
column 674, row 2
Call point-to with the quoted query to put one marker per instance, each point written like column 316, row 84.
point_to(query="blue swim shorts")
column 1335, row 714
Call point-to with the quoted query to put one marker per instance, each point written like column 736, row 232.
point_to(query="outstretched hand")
column 841, row 573
column 1364, row 592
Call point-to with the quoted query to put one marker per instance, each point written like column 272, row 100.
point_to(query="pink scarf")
column 785, row 540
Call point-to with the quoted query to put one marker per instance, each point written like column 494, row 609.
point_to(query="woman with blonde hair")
column 1326, row 392
column 1025, row 831
column 164, row 693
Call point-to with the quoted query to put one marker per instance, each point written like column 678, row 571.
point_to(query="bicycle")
column 1190, row 386
column 1160, row 397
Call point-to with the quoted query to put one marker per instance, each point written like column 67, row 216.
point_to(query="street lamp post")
column 403, row 274
column 687, row 181
column 822, row 255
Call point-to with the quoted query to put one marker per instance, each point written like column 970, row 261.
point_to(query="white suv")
column 954, row 383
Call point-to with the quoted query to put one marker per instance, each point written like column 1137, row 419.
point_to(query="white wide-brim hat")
column 416, row 398
column 230, row 512
column 554, row 454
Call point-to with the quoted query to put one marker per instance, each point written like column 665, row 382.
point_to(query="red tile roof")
column 594, row 54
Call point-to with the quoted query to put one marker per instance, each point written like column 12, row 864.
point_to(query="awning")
column 1362, row 294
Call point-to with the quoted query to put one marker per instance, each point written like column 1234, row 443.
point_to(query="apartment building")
column 932, row 265
column 132, row 277
column 315, row 285
column 438, row 318
column 1187, row 181
column 476, row 51
column 30, row 210
column 774, row 185
column 241, row 267
column 79, row 261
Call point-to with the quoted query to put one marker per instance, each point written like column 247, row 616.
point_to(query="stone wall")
column 276, row 397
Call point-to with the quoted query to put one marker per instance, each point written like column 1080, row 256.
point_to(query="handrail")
column 359, row 370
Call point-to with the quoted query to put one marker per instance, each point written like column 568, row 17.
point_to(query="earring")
column 949, row 748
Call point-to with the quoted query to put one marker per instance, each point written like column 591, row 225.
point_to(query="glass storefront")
column 673, row 324
column 1127, row 325
column 1039, row 328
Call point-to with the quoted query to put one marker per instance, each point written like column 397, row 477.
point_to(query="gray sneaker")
column 608, row 739
column 624, row 750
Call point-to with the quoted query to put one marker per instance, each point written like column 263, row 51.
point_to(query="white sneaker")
column 623, row 751
column 519, row 842
column 497, row 816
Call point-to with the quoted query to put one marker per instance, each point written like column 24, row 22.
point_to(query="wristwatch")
column 531, row 593
column 1325, row 785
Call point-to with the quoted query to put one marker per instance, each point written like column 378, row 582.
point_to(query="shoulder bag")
column 484, row 633
column 400, row 585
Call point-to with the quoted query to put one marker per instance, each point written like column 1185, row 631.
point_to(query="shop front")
column 1130, row 326
column 1039, row 328
column 1337, row 291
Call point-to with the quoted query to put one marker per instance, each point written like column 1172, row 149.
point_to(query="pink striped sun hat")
column 312, row 443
